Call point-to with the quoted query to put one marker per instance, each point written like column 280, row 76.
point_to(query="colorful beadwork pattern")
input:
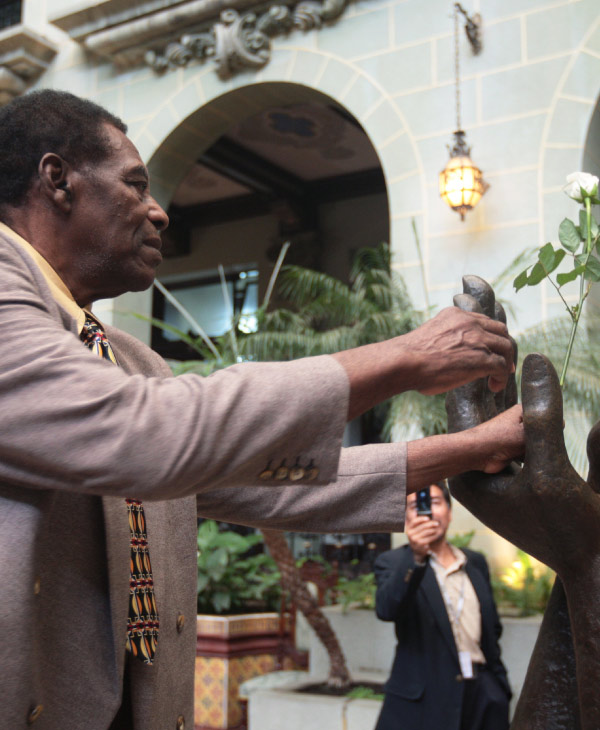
column 142, row 625
column 142, row 622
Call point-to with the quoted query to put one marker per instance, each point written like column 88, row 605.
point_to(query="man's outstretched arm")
column 452, row 349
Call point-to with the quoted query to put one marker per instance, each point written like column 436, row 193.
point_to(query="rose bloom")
column 581, row 185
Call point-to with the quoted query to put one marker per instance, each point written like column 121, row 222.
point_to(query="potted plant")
column 240, row 634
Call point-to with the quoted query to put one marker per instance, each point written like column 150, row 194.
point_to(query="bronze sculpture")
column 548, row 510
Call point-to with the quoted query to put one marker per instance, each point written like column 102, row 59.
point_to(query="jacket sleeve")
column 72, row 421
column 369, row 495
column 398, row 578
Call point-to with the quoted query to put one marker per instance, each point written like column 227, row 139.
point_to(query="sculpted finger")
column 542, row 414
column 509, row 397
column 593, row 452
column 499, row 313
column 468, row 406
column 482, row 292
column 467, row 303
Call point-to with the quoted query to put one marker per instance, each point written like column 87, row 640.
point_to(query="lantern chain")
column 457, row 64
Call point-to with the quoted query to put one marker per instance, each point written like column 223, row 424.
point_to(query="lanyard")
column 454, row 612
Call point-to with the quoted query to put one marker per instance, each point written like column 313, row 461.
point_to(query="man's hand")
column 421, row 533
column 457, row 347
column 453, row 348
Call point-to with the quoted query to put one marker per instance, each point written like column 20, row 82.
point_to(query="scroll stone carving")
column 243, row 41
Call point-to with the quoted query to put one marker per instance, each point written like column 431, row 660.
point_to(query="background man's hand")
column 421, row 532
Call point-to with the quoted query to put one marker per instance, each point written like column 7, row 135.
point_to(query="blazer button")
column 266, row 474
column 37, row 585
column 312, row 473
column 180, row 723
column 180, row 623
column 296, row 473
column 34, row 714
column 281, row 473
column 459, row 678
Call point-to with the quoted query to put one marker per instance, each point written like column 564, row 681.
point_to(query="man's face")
column 115, row 223
column 440, row 511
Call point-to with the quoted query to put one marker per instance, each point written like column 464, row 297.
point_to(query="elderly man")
column 106, row 460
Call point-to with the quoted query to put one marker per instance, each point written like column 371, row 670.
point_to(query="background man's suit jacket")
column 79, row 435
column 426, row 672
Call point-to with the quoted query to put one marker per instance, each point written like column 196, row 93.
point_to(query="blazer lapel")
column 483, row 595
column 433, row 594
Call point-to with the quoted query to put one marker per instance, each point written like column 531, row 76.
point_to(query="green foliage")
column 359, row 592
column 524, row 587
column 325, row 566
column 581, row 392
column 574, row 244
column 323, row 315
column 364, row 693
column 580, row 244
column 462, row 539
column 229, row 580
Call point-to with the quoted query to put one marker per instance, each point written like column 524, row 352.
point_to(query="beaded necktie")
column 142, row 622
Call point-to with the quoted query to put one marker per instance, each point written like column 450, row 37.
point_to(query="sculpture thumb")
column 467, row 303
column 541, row 397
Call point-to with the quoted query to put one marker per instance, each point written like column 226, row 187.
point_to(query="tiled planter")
column 230, row 650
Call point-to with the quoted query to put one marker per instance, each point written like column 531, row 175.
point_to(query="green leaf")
column 221, row 601
column 537, row 274
column 568, row 235
column 569, row 276
column 216, row 563
column 521, row 280
column 546, row 256
column 592, row 270
column 549, row 258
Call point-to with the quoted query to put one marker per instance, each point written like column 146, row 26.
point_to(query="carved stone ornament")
column 24, row 55
column 243, row 41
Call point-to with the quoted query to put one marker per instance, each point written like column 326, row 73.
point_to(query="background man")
column 447, row 673
column 105, row 460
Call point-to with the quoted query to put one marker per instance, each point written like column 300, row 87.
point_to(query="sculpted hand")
column 456, row 347
column 549, row 511
column 545, row 509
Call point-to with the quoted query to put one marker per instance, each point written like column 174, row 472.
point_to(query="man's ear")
column 55, row 178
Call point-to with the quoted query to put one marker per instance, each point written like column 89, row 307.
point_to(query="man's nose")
column 157, row 215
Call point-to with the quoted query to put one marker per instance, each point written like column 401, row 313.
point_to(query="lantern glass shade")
column 462, row 184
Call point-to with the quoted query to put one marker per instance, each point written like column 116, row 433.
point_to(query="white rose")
column 580, row 185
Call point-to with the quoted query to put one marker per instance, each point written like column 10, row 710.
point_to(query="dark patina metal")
column 548, row 510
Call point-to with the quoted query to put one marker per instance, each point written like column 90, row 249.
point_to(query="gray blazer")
column 78, row 435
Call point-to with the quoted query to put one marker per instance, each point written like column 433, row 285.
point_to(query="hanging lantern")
column 461, row 182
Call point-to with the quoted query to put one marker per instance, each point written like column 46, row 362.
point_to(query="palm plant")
column 324, row 315
column 581, row 392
